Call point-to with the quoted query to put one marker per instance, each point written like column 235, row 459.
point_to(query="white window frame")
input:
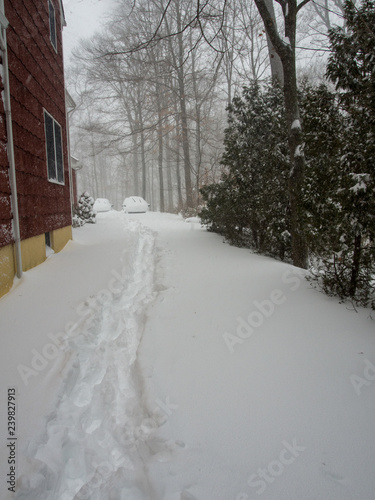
column 54, row 150
column 52, row 24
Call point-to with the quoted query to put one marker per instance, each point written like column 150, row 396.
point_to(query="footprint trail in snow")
column 94, row 445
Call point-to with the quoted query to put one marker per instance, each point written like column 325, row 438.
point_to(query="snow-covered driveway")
column 153, row 362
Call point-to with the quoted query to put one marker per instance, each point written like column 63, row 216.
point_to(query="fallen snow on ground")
column 185, row 369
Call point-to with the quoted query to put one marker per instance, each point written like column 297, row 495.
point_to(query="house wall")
column 59, row 238
column 36, row 74
column 7, row 268
column 6, row 233
column 33, row 251
column 37, row 83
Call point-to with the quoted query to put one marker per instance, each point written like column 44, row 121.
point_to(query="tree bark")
column 178, row 172
column 185, row 138
column 169, row 174
column 134, row 134
column 143, row 150
column 285, row 47
column 179, row 68
column 160, row 152
column 198, row 152
column 277, row 71
column 355, row 265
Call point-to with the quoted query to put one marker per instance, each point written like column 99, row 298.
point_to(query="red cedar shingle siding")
column 74, row 180
column 6, row 233
column 37, row 84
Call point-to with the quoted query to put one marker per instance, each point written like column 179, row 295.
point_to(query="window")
column 55, row 164
column 52, row 24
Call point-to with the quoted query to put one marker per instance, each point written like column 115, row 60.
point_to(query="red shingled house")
column 35, row 206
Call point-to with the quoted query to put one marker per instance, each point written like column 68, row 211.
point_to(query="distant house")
column 35, row 205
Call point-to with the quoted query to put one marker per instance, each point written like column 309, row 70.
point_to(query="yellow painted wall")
column 7, row 269
column 60, row 237
column 33, row 251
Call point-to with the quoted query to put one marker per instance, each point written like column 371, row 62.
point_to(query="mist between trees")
column 152, row 89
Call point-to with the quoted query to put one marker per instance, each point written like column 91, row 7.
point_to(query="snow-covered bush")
column 84, row 210
column 249, row 205
column 346, row 250
column 77, row 221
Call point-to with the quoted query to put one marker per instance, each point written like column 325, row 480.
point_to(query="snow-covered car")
column 135, row 205
column 102, row 205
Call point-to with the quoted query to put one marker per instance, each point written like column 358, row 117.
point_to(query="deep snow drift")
column 154, row 362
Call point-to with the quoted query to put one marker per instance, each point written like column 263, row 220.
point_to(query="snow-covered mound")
column 91, row 444
column 154, row 362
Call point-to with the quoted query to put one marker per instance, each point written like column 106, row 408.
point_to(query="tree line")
column 155, row 103
column 250, row 204
column 152, row 90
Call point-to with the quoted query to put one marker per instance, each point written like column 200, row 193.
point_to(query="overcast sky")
column 83, row 18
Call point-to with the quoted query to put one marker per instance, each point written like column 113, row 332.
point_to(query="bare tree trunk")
column 179, row 68
column 185, row 138
column 198, row 152
column 277, row 71
column 198, row 155
column 169, row 174
column 228, row 59
column 178, row 172
column 143, row 151
column 96, row 185
column 134, row 135
column 135, row 164
column 160, row 151
column 355, row 265
column 285, row 47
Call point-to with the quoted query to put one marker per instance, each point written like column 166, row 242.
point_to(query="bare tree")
column 285, row 46
column 276, row 64
column 162, row 64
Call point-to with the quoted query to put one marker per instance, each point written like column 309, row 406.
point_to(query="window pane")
column 59, row 155
column 52, row 24
column 50, row 144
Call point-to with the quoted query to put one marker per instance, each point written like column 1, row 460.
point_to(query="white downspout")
column 10, row 145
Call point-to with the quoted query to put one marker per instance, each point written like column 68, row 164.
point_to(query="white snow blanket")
column 150, row 361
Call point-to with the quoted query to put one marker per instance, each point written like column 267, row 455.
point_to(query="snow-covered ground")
column 151, row 361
